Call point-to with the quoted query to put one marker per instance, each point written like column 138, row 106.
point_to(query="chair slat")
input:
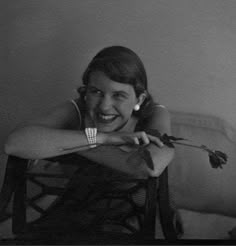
column 19, row 204
column 47, row 175
column 9, row 183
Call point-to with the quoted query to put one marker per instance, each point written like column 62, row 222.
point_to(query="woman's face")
column 109, row 104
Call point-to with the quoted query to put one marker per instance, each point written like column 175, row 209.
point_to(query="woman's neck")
column 130, row 125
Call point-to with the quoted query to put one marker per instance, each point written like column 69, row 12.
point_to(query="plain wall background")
column 188, row 48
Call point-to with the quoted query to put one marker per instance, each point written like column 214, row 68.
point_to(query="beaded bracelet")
column 91, row 134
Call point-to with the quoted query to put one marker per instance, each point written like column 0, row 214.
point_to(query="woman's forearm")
column 161, row 158
column 117, row 159
column 131, row 162
column 38, row 142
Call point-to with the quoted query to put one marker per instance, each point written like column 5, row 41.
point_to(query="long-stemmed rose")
column 217, row 158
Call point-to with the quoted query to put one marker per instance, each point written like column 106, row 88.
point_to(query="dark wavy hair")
column 122, row 65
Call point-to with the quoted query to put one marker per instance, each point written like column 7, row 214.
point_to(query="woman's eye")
column 119, row 96
column 95, row 91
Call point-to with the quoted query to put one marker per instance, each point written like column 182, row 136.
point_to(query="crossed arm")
column 57, row 133
column 129, row 160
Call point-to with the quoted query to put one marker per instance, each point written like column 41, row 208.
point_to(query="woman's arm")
column 131, row 162
column 160, row 121
column 56, row 133
column 116, row 158
column 48, row 135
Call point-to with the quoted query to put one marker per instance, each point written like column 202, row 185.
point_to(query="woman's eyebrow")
column 121, row 92
column 93, row 87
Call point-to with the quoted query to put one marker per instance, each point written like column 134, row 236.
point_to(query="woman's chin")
column 105, row 128
column 114, row 126
column 109, row 128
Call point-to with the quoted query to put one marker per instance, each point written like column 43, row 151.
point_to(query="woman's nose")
column 105, row 103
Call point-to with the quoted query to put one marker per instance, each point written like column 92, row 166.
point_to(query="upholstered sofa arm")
column 205, row 195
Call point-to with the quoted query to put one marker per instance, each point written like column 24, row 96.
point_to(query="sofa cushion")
column 194, row 184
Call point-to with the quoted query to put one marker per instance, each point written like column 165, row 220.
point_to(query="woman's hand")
column 130, row 138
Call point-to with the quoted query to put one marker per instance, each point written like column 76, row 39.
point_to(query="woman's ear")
column 141, row 98
column 81, row 90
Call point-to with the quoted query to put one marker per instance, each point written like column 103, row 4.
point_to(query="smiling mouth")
column 106, row 118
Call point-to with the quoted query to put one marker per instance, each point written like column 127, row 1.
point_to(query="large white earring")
column 136, row 107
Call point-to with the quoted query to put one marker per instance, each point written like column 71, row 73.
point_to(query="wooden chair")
column 19, row 173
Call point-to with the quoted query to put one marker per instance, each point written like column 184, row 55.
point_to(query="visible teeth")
column 107, row 117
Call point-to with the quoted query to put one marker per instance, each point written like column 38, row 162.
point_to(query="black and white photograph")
column 118, row 122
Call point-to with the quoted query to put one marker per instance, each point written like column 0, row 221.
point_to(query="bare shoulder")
column 161, row 113
column 62, row 116
column 160, row 119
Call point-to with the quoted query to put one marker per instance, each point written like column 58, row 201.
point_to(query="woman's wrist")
column 101, row 138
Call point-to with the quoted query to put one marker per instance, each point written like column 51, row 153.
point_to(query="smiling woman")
column 110, row 103
column 105, row 124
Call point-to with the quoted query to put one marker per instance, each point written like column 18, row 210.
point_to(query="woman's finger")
column 141, row 138
column 156, row 140
column 144, row 138
column 136, row 141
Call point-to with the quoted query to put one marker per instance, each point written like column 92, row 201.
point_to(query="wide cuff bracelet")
column 91, row 134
